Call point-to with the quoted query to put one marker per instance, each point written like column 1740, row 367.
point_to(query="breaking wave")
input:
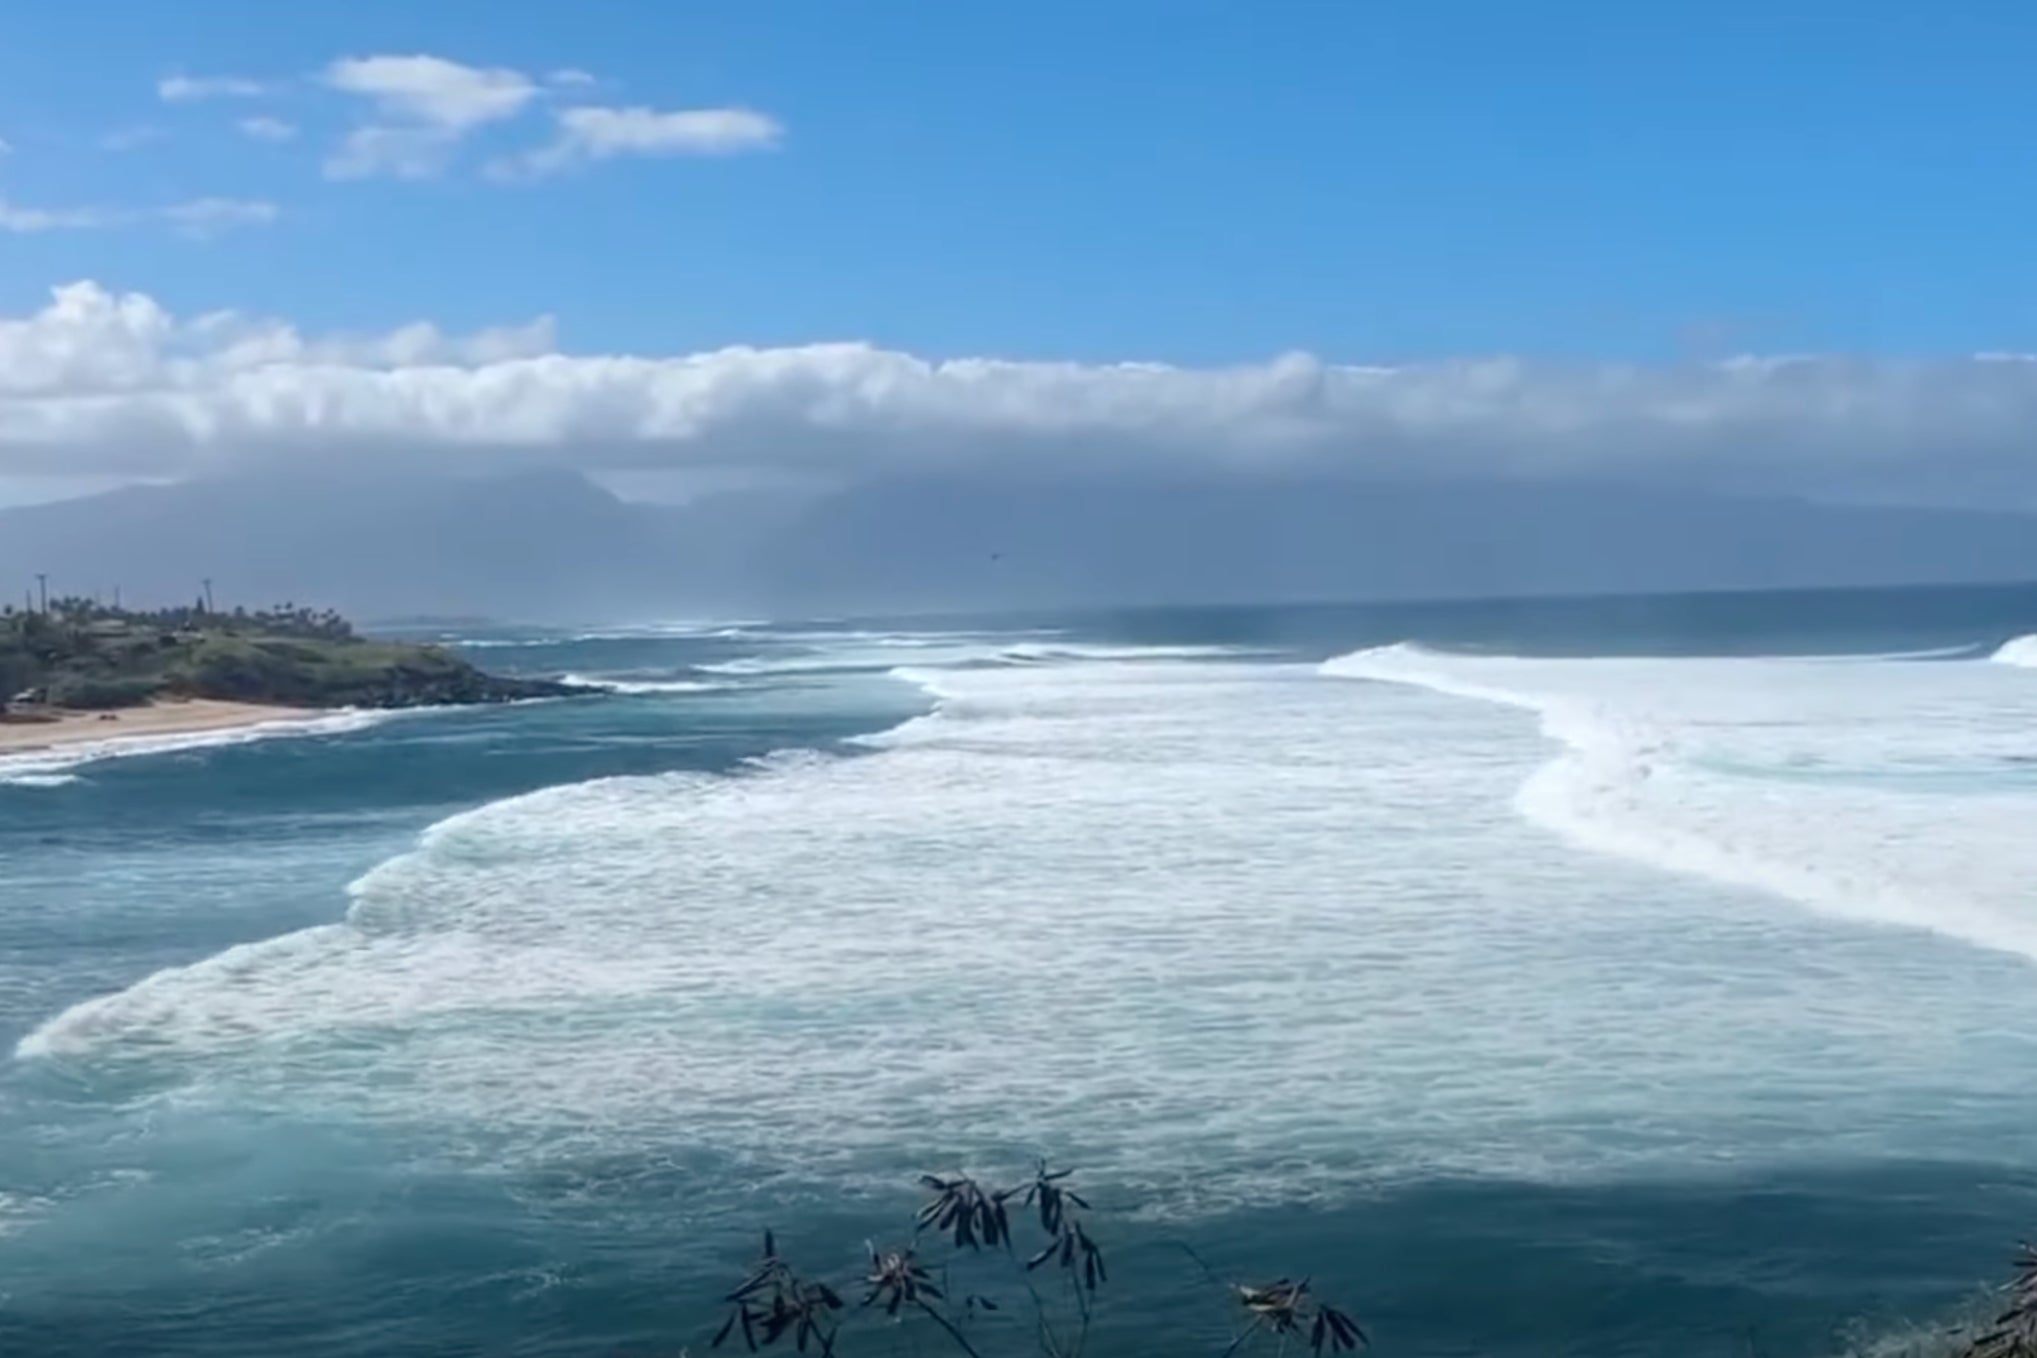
column 55, row 767
column 633, row 687
column 1222, row 931
column 1882, row 791
column 2018, row 651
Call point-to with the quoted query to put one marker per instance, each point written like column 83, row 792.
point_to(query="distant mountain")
column 939, row 544
column 552, row 545
column 537, row 545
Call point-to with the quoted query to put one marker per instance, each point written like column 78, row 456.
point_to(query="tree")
column 18, row 671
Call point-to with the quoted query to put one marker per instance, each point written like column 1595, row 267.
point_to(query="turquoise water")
column 1638, row 977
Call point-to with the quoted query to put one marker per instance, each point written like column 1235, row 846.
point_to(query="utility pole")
column 208, row 594
column 42, row 586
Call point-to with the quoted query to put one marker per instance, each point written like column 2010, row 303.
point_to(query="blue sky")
column 1187, row 181
column 1771, row 249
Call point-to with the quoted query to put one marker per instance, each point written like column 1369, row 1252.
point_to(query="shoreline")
column 187, row 716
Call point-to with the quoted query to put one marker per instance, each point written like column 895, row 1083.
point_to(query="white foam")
column 878, row 651
column 1220, row 931
column 2018, row 651
column 52, row 768
column 1035, row 650
column 1966, row 652
column 675, row 631
column 640, row 686
column 17, row 1213
column 1881, row 791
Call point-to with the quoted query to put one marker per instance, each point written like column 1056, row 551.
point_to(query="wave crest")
column 2018, row 651
column 638, row 687
column 1657, row 755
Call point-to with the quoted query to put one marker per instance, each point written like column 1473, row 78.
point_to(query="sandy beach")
column 157, row 719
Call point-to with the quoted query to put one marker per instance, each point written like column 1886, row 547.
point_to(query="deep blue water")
column 514, row 1112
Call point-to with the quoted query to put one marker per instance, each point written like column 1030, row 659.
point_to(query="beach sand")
column 157, row 719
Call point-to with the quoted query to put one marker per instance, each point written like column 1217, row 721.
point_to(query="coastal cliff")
column 79, row 656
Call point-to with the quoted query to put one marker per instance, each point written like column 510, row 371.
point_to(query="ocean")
column 1622, row 977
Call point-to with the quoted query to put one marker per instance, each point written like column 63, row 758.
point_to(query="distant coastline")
column 74, row 670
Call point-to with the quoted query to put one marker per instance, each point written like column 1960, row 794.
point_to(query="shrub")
column 776, row 1302
column 88, row 694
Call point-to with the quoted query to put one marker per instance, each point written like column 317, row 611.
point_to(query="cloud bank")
column 98, row 383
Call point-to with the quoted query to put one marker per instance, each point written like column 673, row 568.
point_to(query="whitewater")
column 1889, row 789
column 1408, row 936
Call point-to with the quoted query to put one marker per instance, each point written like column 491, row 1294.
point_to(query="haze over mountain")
column 551, row 544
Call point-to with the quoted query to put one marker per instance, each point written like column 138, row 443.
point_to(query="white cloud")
column 268, row 129
column 186, row 89
column 392, row 152
column 210, row 216
column 199, row 217
column 28, row 221
column 594, row 133
column 132, row 138
column 421, row 108
column 432, row 90
column 104, row 384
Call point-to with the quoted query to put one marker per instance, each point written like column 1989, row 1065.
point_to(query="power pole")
column 208, row 594
column 42, row 586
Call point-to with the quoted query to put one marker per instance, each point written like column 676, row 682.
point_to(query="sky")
column 1783, row 242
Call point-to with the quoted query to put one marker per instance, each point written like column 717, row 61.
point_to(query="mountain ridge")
column 552, row 544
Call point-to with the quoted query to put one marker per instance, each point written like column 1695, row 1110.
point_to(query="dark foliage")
column 2014, row 1331
column 902, row 1286
column 82, row 655
column 775, row 1303
column 1289, row 1310
column 964, row 1209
